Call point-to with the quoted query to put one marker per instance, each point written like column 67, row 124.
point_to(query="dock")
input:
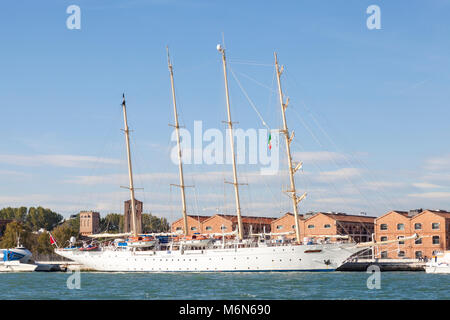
column 63, row 266
column 384, row 264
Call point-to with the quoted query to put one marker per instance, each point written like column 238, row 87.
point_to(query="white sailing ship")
column 171, row 253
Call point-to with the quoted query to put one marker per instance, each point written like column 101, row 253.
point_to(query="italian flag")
column 270, row 142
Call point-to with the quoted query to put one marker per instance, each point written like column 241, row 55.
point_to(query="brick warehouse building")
column 433, row 225
column 89, row 222
column 227, row 223
column 359, row 228
column 194, row 224
column 222, row 223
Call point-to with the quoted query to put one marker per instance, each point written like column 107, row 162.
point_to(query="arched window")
column 435, row 225
column 383, row 226
column 310, row 226
column 400, row 226
column 327, row 226
column 417, row 226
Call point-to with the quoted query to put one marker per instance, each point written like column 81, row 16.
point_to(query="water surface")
column 229, row 286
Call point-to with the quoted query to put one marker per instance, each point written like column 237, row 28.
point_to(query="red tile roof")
column 249, row 219
column 201, row 218
column 349, row 217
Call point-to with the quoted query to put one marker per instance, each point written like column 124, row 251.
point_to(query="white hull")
column 438, row 269
column 325, row 257
column 16, row 266
column 439, row 263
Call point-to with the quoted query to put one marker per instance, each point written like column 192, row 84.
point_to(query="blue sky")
column 369, row 107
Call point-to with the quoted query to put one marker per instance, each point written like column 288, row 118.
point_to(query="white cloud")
column 336, row 175
column 441, row 163
column 384, row 184
column 319, row 156
column 426, row 185
column 431, row 195
column 12, row 173
column 57, row 160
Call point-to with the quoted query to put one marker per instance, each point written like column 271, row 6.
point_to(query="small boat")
column 141, row 241
column 439, row 263
column 16, row 259
column 71, row 248
column 89, row 248
column 196, row 240
column 16, row 266
column 18, row 253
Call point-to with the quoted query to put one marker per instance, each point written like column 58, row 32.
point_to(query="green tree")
column 39, row 217
column 14, row 231
column 151, row 223
column 74, row 223
column 42, row 244
column 63, row 233
column 112, row 222
column 18, row 214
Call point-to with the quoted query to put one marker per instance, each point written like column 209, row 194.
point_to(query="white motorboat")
column 16, row 260
column 16, row 266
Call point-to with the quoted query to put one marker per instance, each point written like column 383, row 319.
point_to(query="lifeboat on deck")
column 141, row 241
column 196, row 240
column 89, row 248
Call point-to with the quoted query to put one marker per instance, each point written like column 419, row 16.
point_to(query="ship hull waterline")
column 324, row 257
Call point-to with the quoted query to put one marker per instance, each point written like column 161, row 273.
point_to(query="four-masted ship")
column 203, row 253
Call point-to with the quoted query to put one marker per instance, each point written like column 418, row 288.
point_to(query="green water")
column 243, row 286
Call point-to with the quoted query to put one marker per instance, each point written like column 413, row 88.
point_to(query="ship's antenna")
column 230, row 127
column 288, row 137
column 180, row 162
column 130, row 170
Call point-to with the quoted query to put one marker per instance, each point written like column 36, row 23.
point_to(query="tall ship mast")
column 130, row 169
column 288, row 138
column 230, row 130
column 168, row 253
column 180, row 162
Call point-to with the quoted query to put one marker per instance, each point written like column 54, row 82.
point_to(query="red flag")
column 52, row 240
